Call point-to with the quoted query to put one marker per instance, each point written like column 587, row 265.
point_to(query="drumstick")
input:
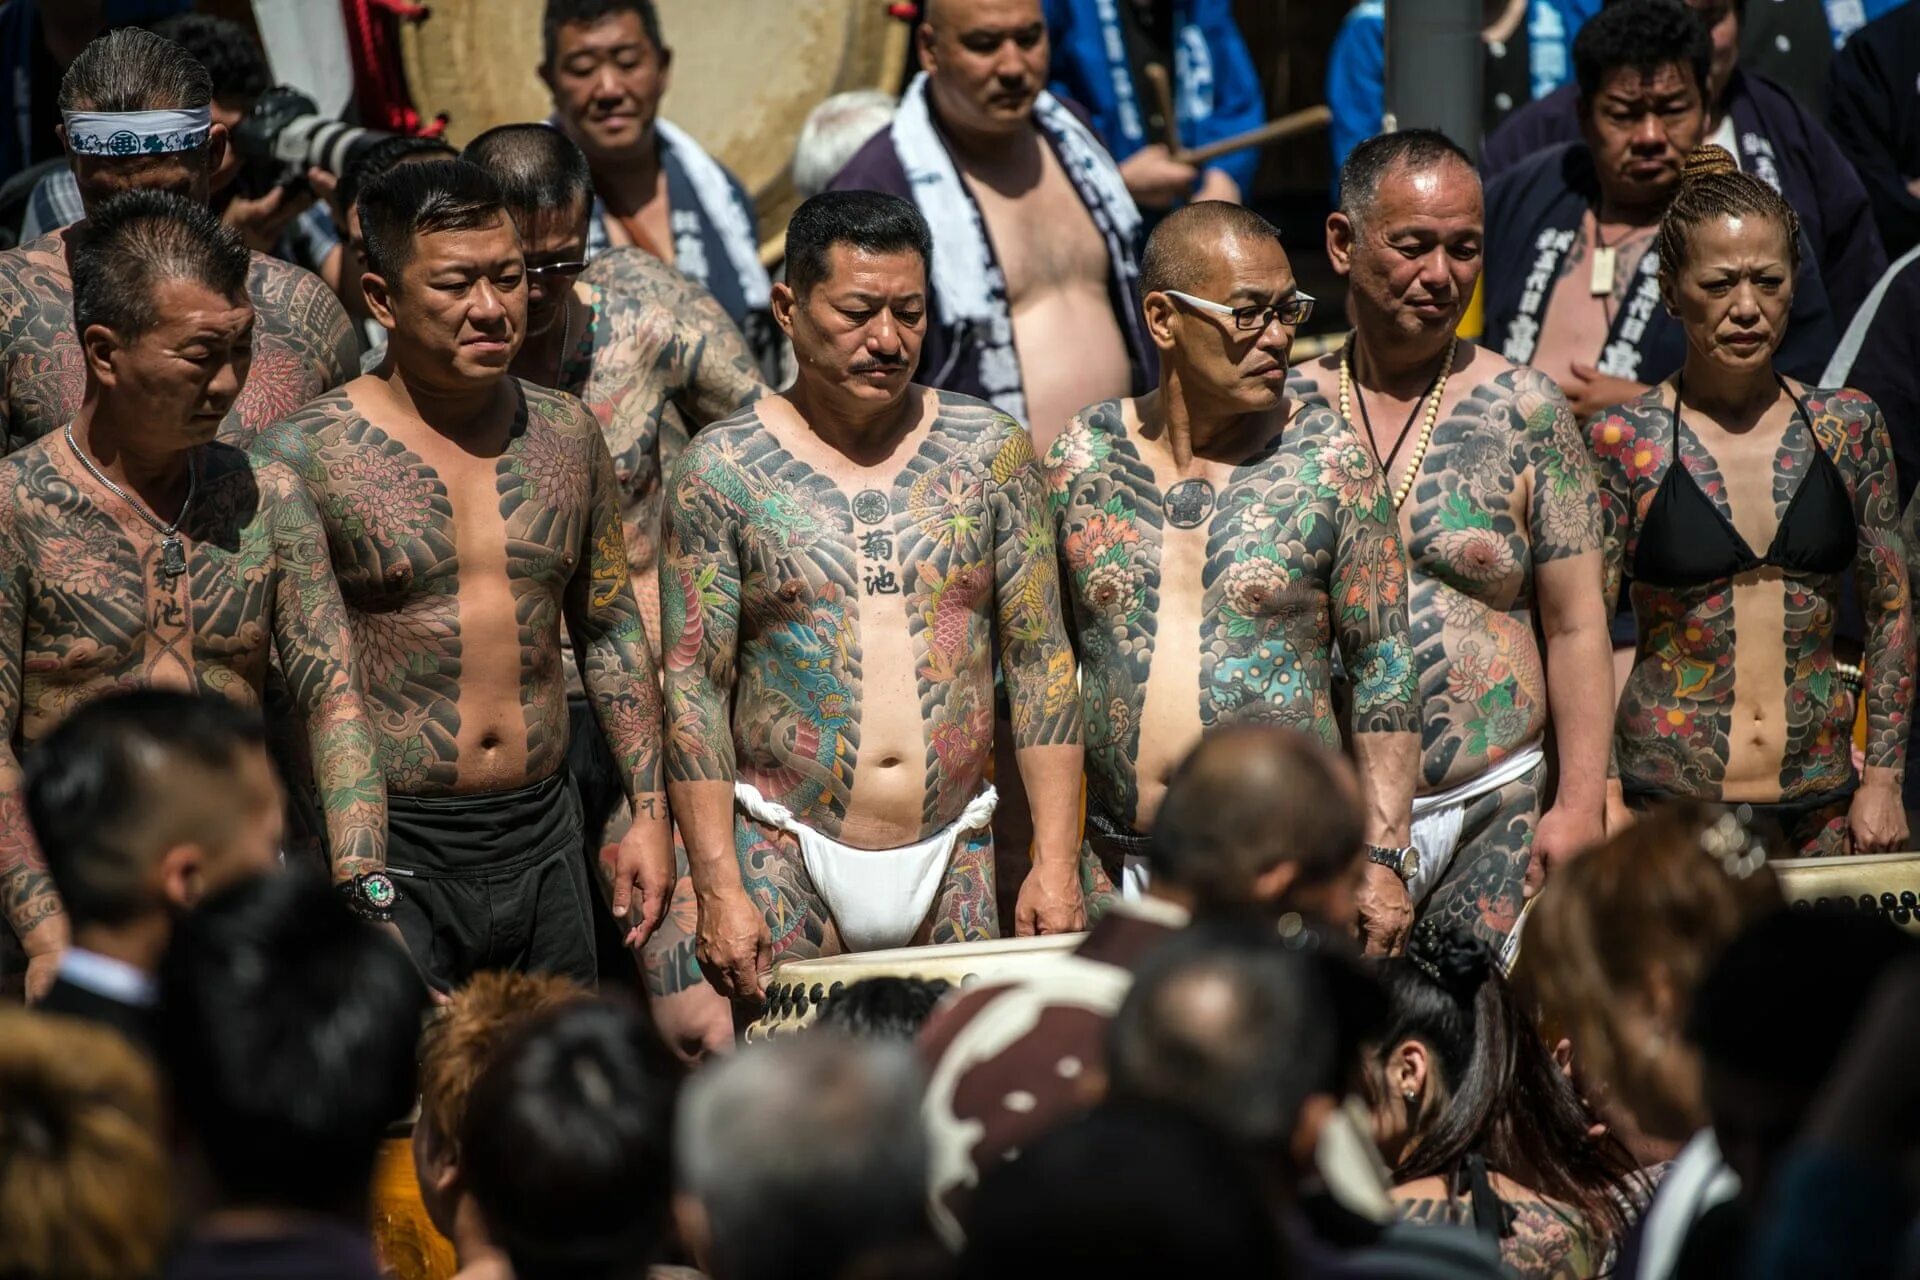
column 1271, row 132
column 1163, row 97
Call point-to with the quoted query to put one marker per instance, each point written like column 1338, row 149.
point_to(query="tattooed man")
column 1501, row 521
column 1218, row 538
column 840, row 560
column 469, row 514
column 138, row 550
column 656, row 359
column 131, row 89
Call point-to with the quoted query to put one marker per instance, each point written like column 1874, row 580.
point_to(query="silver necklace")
column 173, row 555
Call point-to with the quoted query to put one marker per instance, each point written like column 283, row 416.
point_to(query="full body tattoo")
column 1504, row 488
column 1297, row 550
column 86, row 609
column 769, row 570
column 303, row 345
column 1675, row 724
column 1545, row 1239
column 395, row 541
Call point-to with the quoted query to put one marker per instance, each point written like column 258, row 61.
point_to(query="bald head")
column 1185, row 250
column 1248, row 799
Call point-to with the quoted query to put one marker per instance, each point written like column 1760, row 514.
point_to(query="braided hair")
column 1712, row 186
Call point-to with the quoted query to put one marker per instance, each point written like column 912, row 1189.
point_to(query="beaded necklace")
column 1436, row 393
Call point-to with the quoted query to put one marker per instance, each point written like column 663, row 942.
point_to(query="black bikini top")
column 1687, row 541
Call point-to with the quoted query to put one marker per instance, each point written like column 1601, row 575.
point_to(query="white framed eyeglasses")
column 1294, row 309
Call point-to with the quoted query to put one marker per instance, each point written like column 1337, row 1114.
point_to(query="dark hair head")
column 1504, row 1097
column 234, row 60
column 1368, row 165
column 383, row 156
column 1127, row 1190
column 1247, row 799
column 565, row 13
column 419, row 199
column 1229, row 1022
column 288, row 1027
column 870, row 221
column 566, row 1143
column 129, row 69
column 884, row 1008
column 1780, row 1003
column 1712, row 186
column 135, row 241
column 540, row 170
column 1185, row 246
column 97, row 789
column 1642, row 36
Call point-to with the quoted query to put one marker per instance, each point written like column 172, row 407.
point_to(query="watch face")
column 379, row 890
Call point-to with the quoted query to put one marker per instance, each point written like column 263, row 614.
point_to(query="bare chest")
column 1044, row 238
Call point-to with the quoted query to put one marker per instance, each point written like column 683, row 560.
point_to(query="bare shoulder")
column 560, row 411
column 1840, row 416
column 730, row 440
column 278, row 286
column 959, row 418
column 1085, row 442
column 34, row 281
column 318, row 424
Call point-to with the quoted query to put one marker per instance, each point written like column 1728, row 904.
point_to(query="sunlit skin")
column 607, row 79
column 1733, row 293
column 1232, row 371
column 188, row 174
column 552, row 243
column 986, row 61
column 458, row 312
column 859, row 331
column 187, row 370
column 1412, row 264
column 1640, row 127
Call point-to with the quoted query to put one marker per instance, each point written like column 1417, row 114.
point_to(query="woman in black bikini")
column 1736, row 693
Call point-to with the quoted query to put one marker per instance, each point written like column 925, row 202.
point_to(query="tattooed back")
column 456, row 565
column 1193, row 610
column 829, row 628
column 302, row 344
column 1506, row 485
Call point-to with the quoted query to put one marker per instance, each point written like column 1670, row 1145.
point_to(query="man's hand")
column 392, row 929
column 1386, row 912
column 1877, row 821
column 643, row 869
column 260, row 222
column 1216, row 185
column 1562, row 835
column 1155, row 179
column 1618, row 816
column 733, row 944
column 42, row 969
column 1589, row 390
column 1050, row 901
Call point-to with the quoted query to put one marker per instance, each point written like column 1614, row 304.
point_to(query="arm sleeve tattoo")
column 25, row 887
column 1880, row 568
column 315, row 651
column 1369, row 605
column 722, row 377
column 1034, row 652
column 700, row 577
column 1612, row 438
column 616, row 663
column 1564, row 515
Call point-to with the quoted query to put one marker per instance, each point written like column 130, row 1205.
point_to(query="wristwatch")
column 371, row 896
column 1404, row 863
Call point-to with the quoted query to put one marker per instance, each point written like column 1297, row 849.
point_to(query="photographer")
column 283, row 220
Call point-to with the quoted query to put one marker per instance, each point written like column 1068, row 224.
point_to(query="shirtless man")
column 1217, row 539
column 139, row 550
column 302, row 344
column 655, row 359
column 469, row 514
column 1033, row 282
column 1499, row 514
column 839, row 562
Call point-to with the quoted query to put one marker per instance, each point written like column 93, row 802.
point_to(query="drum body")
column 404, row 1237
column 796, row 988
column 1885, row 884
column 745, row 74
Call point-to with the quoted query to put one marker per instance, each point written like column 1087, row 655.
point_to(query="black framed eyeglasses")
column 1294, row 309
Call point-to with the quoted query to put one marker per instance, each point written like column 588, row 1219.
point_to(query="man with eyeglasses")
column 1217, row 539
column 1495, row 500
column 656, row 359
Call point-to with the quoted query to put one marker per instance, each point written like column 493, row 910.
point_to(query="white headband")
column 137, row 133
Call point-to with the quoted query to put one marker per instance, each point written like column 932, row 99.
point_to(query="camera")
column 285, row 134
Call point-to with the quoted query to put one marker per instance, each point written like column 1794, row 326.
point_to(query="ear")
column 782, row 304
column 1159, row 312
column 545, row 73
column 1408, row 1070
column 923, row 41
column 181, row 879
column 666, row 67
column 379, row 300
column 219, row 147
column 1273, row 884
column 97, row 347
column 1340, row 240
column 696, row 1231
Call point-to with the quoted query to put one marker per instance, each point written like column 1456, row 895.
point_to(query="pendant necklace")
column 173, row 555
column 1436, row 392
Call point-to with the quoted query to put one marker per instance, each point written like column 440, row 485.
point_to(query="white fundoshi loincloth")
column 1438, row 818
column 877, row 897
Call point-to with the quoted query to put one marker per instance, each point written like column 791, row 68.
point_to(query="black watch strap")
column 371, row 895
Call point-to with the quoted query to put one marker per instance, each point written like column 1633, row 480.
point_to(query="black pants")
column 493, row 881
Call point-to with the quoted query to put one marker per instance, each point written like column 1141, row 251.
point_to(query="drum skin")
column 796, row 987
column 745, row 74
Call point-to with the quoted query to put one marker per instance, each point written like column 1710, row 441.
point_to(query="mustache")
column 870, row 366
